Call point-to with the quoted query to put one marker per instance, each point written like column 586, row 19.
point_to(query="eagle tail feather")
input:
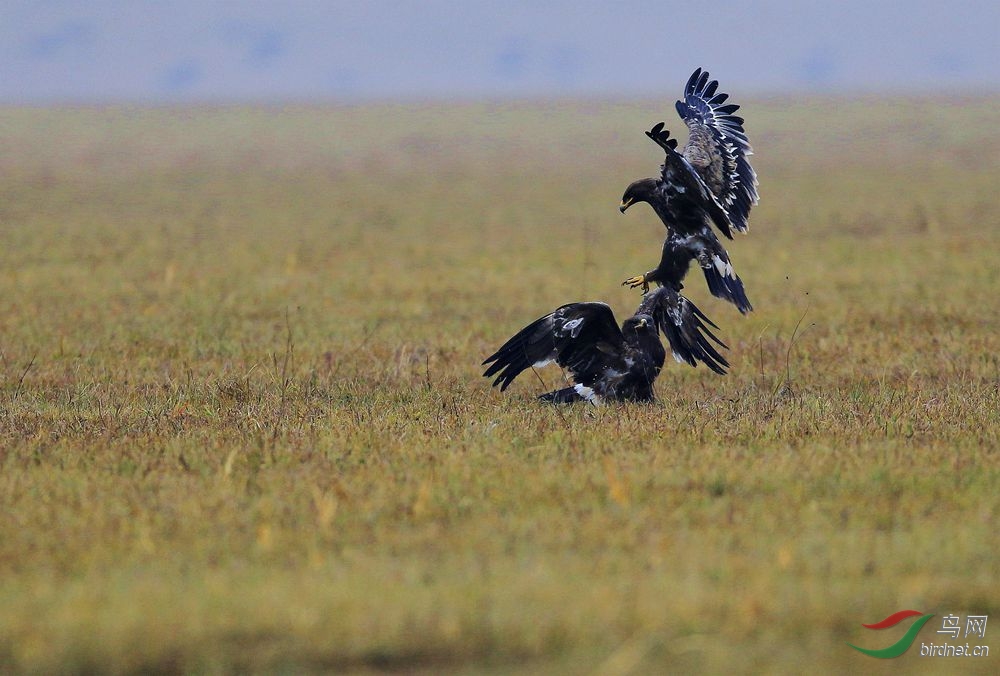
column 728, row 288
column 567, row 395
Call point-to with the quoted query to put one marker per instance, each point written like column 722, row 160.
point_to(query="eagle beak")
column 625, row 205
column 643, row 323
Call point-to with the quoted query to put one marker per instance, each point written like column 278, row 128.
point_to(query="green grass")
column 243, row 425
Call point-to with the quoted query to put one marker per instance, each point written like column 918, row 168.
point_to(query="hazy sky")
column 192, row 50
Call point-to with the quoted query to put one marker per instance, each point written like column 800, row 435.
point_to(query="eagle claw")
column 637, row 281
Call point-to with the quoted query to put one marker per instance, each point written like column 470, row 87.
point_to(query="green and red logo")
column 903, row 644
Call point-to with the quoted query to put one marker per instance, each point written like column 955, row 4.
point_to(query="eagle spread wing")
column 718, row 147
column 581, row 337
column 680, row 176
column 684, row 327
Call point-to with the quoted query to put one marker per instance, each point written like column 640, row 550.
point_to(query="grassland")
column 243, row 428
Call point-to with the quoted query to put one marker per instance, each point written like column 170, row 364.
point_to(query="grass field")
column 243, row 426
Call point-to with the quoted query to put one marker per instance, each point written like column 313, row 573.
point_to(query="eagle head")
column 639, row 324
column 639, row 191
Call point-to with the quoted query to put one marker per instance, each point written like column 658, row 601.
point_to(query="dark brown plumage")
column 718, row 147
column 608, row 363
column 709, row 183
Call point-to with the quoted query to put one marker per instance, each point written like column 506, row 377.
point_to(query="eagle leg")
column 637, row 281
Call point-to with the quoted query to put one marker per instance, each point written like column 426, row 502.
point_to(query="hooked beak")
column 625, row 205
column 643, row 323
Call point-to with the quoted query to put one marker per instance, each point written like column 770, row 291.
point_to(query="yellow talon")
column 639, row 280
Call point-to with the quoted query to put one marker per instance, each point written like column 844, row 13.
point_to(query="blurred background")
column 68, row 51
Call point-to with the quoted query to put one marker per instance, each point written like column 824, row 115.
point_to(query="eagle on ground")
column 711, row 182
column 605, row 362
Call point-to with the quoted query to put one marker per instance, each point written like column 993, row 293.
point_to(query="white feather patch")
column 586, row 392
column 679, row 358
column 540, row 364
column 572, row 327
column 722, row 266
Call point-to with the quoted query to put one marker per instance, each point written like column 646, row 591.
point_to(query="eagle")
column 608, row 363
column 711, row 182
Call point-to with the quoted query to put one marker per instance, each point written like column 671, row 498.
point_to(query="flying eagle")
column 710, row 182
column 608, row 363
